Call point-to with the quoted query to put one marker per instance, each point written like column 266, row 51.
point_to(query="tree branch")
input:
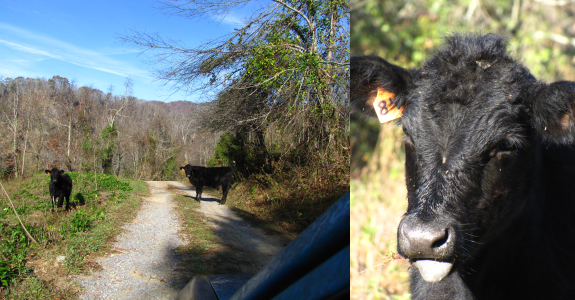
column 17, row 216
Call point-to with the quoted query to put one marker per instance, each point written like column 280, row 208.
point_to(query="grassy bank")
column 198, row 253
column 378, row 201
column 68, row 241
column 286, row 204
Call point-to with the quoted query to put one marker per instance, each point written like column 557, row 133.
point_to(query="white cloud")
column 233, row 20
column 25, row 41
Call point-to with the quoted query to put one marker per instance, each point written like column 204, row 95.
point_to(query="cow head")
column 54, row 174
column 191, row 171
column 187, row 169
column 473, row 118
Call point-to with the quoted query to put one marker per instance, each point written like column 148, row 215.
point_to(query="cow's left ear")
column 61, row 171
column 376, row 83
column 553, row 112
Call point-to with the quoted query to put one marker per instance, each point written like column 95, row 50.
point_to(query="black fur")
column 490, row 158
column 60, row 187
column 212, row 177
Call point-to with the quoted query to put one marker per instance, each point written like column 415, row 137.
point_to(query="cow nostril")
column 419, row 239
column 441, row 240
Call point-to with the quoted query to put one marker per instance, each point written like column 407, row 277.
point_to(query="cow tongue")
column 433, row 271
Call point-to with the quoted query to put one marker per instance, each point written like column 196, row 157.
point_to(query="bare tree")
column 286, row 65
column 12, row 118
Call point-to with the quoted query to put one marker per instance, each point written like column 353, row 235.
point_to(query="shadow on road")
column 239, row 248
column 209, row 199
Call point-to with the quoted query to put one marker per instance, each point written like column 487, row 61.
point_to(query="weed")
column 13, row 249
column 111, row 183
column 80, row 222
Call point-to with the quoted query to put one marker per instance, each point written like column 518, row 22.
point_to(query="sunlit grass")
column 199, row 235
column 378, row 201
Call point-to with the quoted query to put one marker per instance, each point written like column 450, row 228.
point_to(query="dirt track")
column 252, row 249
column 145, row 264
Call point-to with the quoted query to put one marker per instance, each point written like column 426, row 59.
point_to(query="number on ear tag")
column 384, row 109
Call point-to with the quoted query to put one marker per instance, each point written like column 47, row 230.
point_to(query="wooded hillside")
column 55, row 123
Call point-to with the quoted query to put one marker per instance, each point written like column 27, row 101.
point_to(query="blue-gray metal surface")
column 226, row 285
column 322, row 247
column 326, row 280
column 198, row 288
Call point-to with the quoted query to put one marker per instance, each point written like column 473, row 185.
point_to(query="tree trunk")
column 15, row 133
column 69, row 134
column 24, row 151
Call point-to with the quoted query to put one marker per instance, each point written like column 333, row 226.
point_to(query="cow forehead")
column 455, row 99
column 482, row 113
column 464, row 129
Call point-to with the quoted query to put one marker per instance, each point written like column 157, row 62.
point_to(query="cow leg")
column 225, row 190
column 60, row 201
column 199, row 193
column 67, row 198
column 53, row 203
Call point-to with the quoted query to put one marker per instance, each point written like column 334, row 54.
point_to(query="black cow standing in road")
column 490, row 171
column 60, row 187
column 212, row 177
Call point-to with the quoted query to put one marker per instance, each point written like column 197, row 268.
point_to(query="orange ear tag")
column 383, row 108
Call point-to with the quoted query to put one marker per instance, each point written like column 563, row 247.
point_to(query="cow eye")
column 506, row 145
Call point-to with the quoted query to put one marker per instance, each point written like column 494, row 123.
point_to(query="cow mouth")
column 431, row 270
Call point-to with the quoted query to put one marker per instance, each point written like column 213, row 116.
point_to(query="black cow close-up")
column 210, row 177
column 490, row 170
column 60, row 187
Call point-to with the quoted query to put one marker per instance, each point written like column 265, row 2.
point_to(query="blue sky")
column 79, row 40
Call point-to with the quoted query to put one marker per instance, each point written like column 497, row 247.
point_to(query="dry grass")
column 378, row 201
column 286, row 204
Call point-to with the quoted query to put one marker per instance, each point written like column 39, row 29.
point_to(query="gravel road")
column 144, row 263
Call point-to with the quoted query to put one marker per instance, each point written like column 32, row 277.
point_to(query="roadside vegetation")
column 68, row 241
column 378, row 201
column 287, row 203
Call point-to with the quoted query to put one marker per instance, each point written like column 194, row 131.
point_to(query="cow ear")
column 375, row 81
column 61, row 171
column 181, row 168
column 553, row 112
column 47, row 171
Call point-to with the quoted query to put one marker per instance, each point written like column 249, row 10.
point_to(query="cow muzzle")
column 429, row 245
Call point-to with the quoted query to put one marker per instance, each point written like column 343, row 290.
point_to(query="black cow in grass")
column 212, row 177
column 60, row 187
column 490, row 171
